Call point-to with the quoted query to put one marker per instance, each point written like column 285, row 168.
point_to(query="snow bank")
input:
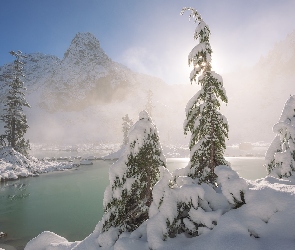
column 49, row 241
column 14, row 165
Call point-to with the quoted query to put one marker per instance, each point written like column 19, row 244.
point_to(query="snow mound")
column 49, row 241
column 14, row 165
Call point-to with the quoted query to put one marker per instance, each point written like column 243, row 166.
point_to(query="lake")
column 69, row 203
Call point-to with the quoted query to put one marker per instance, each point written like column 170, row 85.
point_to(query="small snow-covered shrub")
column 128, row 197
column 232, row 186
column 181, row 205
column 280, row 156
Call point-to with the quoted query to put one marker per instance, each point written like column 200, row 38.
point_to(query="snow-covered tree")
column 233, row 187
column 181, row 205
column 132, row 177
column 127, row 124
column 208, row 127
column 14, row 118
column 280, row 156
column 192, row 200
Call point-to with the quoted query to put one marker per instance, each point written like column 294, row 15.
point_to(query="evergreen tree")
column 132, row 177
column 180, row 205
column 127, row 124
column 14, row 119
column 280, row 157
column 207, row 125
column 192, row 200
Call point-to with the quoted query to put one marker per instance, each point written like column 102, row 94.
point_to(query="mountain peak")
column 86, row 39
column 85, row 45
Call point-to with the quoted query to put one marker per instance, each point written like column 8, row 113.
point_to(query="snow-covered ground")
column 102, row 148
column 14, row 165
column 266, row 221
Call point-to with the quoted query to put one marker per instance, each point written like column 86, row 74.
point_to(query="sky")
column 148, row 36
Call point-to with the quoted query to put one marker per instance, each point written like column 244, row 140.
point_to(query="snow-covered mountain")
column 85, row 94
column 84, row 76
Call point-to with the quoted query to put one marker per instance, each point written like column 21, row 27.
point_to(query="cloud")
column 139, row 59
column 161, row 64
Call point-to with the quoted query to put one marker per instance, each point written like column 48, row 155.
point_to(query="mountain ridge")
column 86, row 87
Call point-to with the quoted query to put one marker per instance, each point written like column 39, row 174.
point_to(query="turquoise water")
column 250, row 168
column 69, row 203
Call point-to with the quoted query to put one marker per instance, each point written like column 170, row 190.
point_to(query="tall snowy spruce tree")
column 126, row 125
column 192, row 200
column 132, row 177
column 280, row 157
column 207, row 125
column 14, row 118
